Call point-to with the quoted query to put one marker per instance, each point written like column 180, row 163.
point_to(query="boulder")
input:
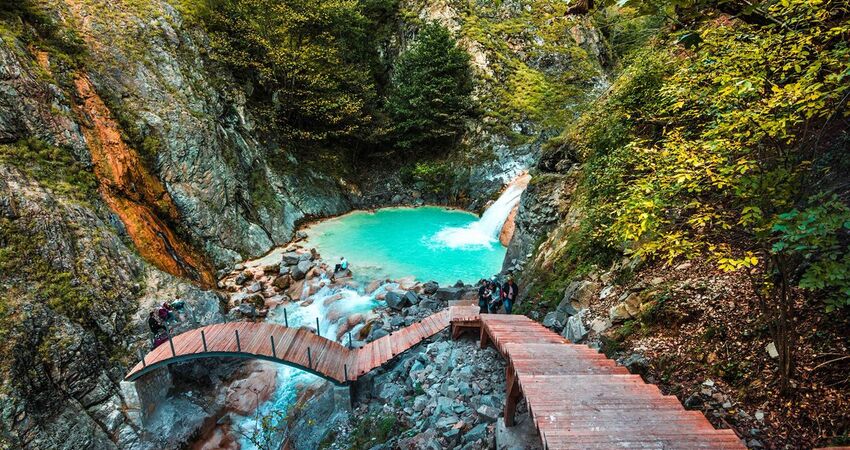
column 377, row 333
column 282, row 282
column 619, row 313
column 575, row 331
column 430, row 288
column 290, row 258
column 556, row 320
column 488, row 413
column 578, row 295
column 300, row 270
column 448, row 294
column 600, row 325
column 411, row 297
column 396, row 300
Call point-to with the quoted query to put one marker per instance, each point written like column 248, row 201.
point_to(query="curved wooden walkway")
column 580, row 399
column 297, row 347
column 577, row 398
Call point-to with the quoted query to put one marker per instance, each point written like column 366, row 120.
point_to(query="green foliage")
column 817, row 235
column 724, row 138
column 431, row 95
column 374, row 429
column 723, row 144
column 544, row 82
column 313, row 60
column 52, row 167
column 33, row 23
column 430, row 176
column 23, row 262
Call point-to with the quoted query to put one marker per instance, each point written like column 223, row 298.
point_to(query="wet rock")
column 377, row 333
column 242, row 278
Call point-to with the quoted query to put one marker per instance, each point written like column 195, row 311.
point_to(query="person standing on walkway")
column 495, row 296
column 483, row 296
column 510, row 290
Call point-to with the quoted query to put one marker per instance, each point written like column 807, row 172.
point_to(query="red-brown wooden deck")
column 577, row 397
column 297, row 347
column 580, row 399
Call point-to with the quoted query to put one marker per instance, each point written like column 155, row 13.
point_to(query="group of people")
column 492, row 295
column 160, row 317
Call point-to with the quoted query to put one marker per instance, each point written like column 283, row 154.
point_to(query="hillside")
column 688, row 211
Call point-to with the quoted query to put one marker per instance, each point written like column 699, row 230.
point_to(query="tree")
column 431, row 91
column 305, row 55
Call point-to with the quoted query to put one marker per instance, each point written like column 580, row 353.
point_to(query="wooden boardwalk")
column 577, row 398
column 580, row 399
column 297, row 347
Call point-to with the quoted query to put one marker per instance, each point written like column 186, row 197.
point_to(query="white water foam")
column 484, row 232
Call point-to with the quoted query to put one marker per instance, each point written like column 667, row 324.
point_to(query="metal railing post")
column 204, row 340
column 345, row 370
column 171, row 342
column 274, row 352
column 238, row 344
column 350, row 345
column 309, row 358
column 285, row 318
column 318, row 332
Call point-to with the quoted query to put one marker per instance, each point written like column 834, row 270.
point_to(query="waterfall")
column 485, row 232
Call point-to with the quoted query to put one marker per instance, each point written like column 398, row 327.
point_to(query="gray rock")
column 254, row 287
column 430, row 288
column 396, row 300
column 556, row 320
column 477, row 432
column 488, row 413
column 377, row 333
column 290, row 258
column 299, row 271
column 447, row 294
column 411, row 297
column 636, row 363
column 575, row 330
column 578, row 295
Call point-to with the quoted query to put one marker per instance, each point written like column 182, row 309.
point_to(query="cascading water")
column 332, row 306
column 425, row 243
column 485, row 232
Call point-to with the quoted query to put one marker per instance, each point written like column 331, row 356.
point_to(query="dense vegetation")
column 320, row 78
column 432, row 85
column 725, row 137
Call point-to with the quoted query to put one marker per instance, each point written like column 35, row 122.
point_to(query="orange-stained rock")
column 137, row 197
column 258, row 386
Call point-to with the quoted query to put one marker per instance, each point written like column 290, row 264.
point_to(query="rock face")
column 543, row 204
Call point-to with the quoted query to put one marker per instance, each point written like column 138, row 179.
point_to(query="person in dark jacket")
column 510, row 290
column 154, row 323
column 483, row 295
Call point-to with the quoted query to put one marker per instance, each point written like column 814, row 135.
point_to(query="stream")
column 395, row 245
